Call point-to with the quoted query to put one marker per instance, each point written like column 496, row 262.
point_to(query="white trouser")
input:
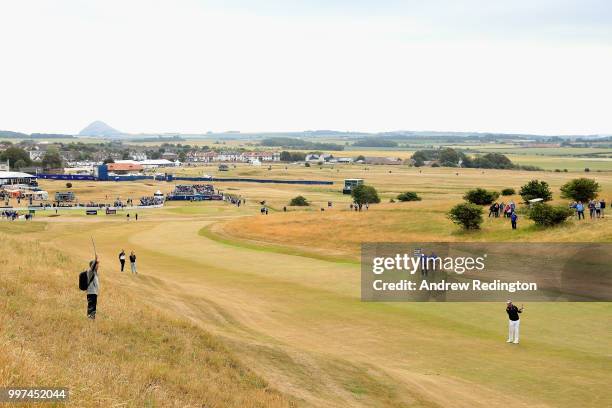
column 513, row 330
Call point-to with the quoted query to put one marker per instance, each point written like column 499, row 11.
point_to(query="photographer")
column 93, row 288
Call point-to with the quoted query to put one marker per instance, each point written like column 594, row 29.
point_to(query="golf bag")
column 83, row 281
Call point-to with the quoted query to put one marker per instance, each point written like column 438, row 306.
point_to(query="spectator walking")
column 93, row 288
column 513, row 219
column 136, row 216
column 602, row 204
column 122, row 259
column 133, row 262
column 127, row 216
column 513, row 322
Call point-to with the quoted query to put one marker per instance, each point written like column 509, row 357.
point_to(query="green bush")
column 535, row 189
column 363, row 194
column 468, row 216
column 546, row 215
column 299, row 201
column 580, row 189
column 508, row 192
column 480, row 196
column 409, row 196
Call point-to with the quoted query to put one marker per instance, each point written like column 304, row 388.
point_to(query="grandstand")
column 152, row 200
column 194, row 192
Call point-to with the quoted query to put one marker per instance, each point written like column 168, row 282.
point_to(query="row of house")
column 327, row 158
column 229, row 156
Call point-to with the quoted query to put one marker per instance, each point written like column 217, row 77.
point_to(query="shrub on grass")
column 508, row 192
column 363, row 194
column 466, row 215
column 408, row 196
column 299, row 201
column 546, row 215
column 535, row 189
column 480, row 196
column 580, row 189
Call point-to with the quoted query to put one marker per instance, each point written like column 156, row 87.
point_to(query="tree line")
column 452, row 158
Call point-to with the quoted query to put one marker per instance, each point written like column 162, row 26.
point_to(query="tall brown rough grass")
column 131, row 356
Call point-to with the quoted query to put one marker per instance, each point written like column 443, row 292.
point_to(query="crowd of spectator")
column 204, row 189
column 502, row 209
column 11, row 215
column 152, row 200
column 596, row 208
column 193, row 189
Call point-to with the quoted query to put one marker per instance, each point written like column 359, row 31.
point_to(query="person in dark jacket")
column 122, row 259
column 133, row 262
column 514, row 322
column 93, row 289
column 513, row 219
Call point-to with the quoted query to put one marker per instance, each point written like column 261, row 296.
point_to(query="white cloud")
column 184, row 66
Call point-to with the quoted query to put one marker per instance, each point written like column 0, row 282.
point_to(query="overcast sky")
column 530, row 66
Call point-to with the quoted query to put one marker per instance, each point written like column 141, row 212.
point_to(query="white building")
column 228, row 156
column 155, row 163
column 344, row 159
column 36, row 155
column 261, row 156
column 15, row 177
column 138, row 156
column 200, row 156
column 314, row 157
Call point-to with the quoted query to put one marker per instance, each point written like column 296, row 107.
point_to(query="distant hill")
column 12, row 135
column 99, row 128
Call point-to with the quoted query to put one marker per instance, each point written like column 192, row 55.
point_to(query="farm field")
column 278, row 296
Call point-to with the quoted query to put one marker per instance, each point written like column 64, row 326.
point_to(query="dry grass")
column 296, row 322
column 132, row 355
column 341, row 231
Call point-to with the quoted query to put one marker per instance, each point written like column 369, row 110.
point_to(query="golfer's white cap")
column 508, row 301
